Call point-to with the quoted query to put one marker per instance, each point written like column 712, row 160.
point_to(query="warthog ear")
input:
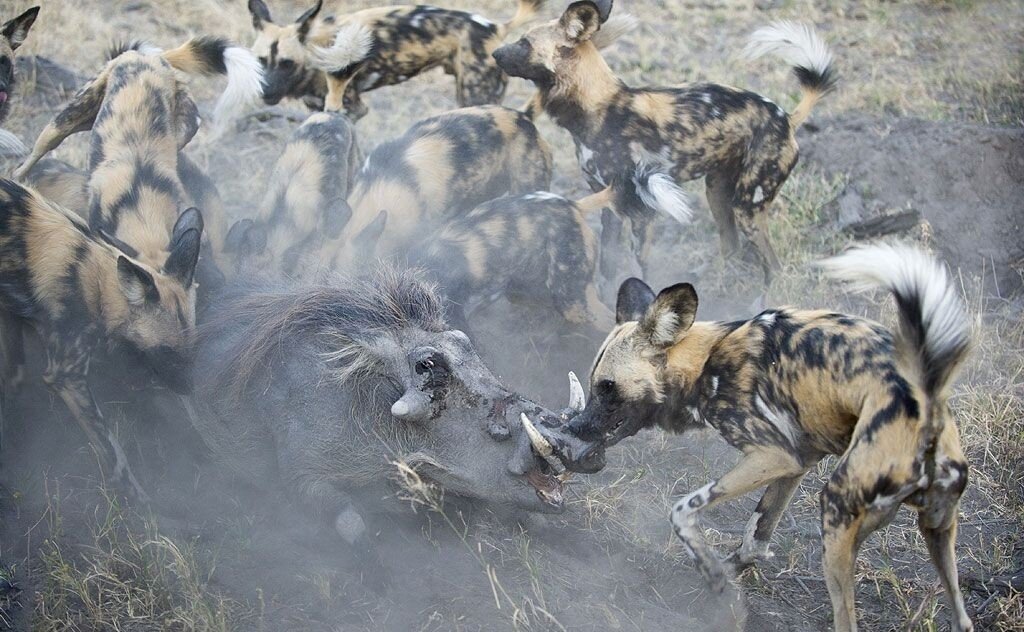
column 181, row 264
column 581, row 20
column 634, row 298
column 671, row 314
column 137, row 284
column 16, row 30
column 305, row 20
column 260, row 14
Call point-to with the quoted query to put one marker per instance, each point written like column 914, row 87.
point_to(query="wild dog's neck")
column 578, row 99
column 685, row 363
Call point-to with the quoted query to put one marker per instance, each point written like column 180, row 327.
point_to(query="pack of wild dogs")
column 287, row 380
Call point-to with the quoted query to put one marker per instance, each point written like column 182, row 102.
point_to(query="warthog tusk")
column 540, row 444
column 577, row 400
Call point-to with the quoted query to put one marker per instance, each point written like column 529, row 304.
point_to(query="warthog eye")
column 606, row 388
column 435, row 367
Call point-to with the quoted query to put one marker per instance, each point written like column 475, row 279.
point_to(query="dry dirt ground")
column 927, row 119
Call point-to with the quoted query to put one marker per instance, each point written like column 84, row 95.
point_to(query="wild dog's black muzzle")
column 514, row 58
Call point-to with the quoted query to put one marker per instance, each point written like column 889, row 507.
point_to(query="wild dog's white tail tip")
column 796, row 43
column 657, row 189
column 615, row 27
column 933, row 320
column 352, row 44
column 245, row 84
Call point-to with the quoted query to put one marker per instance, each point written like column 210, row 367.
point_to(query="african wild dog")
column 77, row 291
column 439, row 169
column 787, row 388
column 536, row 247
column 643, row 141
column 60, row 183
column 141, row 116
column 12, row 36
column 329, row 61
column 305, row 203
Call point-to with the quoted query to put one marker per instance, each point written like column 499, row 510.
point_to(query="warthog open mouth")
column 549, row 476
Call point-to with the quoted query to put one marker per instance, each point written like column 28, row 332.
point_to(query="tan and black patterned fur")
column 535, row 248
column 141, row 116
column 77, row 291
column 407, row 40
column 787, row 388
column 741, row 143
column 12, row 35
column 441, row 168
column 305, row 204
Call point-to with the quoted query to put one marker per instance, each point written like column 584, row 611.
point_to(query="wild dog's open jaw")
column 554, row 443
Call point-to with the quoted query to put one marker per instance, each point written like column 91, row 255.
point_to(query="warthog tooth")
column 540, row 444
column 577, row 399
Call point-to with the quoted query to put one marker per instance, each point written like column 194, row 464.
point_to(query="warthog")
column 325, row 387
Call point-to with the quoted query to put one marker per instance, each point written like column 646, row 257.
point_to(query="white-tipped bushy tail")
column 351, row 45
column 11, row 145
column 657, row 189
column 615, row 27
column 798, row 45
column 245, row 84
column 934, row 328
column 218, row 56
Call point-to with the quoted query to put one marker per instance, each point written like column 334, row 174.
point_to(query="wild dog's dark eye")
column 263, row 61
column 286, row 64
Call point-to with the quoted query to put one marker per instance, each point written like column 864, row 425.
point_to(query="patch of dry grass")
column 128, row 576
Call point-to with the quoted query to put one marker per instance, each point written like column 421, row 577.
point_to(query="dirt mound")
column 967, row 182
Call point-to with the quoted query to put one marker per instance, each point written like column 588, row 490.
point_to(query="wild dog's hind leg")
column 67, row 375
column 863, row 494
column 720, row 188
column 938, row 508
column 759, row 466
column 766, row 518
column 78, row 116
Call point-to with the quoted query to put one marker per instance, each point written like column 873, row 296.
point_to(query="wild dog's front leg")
column 67, row 375
column 758, row 467
column 766, row 518
column 78, row 116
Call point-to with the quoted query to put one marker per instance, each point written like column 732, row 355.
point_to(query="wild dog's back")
column 306, row 201
column 442, row 167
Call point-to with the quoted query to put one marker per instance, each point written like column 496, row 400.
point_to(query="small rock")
column 851, row 208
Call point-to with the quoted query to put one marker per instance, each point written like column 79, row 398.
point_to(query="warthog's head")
column 356, row 375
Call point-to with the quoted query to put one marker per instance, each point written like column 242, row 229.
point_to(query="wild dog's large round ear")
column 582, row 19
column 634, row 298
column 260, row 14
column 245, row 237
column 366, row 241
column 671, row 314
column 16, row 29
column 305, row 20
column 337, row 213
column 136, row 282
column 181, row 263
column 190, row 219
